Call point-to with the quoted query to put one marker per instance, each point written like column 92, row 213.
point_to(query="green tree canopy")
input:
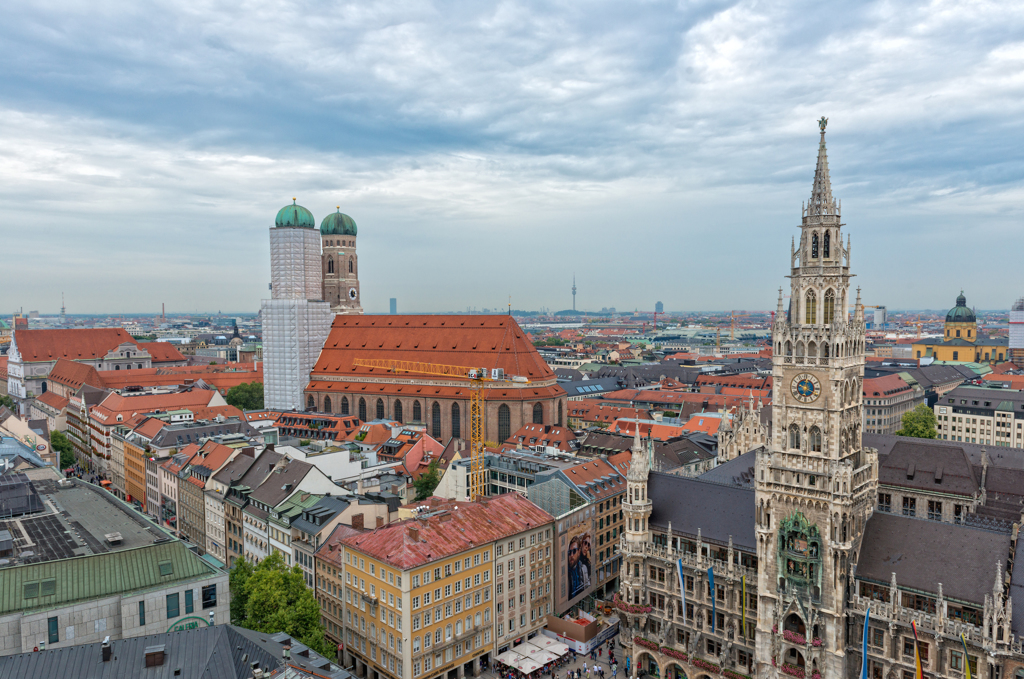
column 270, row 597
column 919, row 423
column 7, row 401
column 247, row 396
column 427, row 482
column 60, row 443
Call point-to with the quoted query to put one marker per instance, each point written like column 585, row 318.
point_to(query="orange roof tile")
column 884, row 386
column 76, row 344
column 161, row 352
column 74, row 374
column 3, row 367
column 51, row 399
column 655, row 430
column 150, row 427
column 109, row 408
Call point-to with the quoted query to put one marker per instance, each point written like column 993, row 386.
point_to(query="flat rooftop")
column 75, row 521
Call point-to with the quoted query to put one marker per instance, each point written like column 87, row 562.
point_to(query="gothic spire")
column 822, row 202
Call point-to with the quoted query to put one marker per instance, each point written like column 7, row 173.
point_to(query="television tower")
column 62, row 309
column 574, row 292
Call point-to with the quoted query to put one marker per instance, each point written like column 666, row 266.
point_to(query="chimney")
column 414, row 533
column 105, row 648
column 286, row 652
column 380, row 522
column 359, row 486
column 357, row 521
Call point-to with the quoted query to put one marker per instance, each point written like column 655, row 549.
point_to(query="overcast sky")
column 659, row 150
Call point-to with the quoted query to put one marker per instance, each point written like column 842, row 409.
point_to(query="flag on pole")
column 864, row 648
column 711, row 581
column 743, row 606
column 967, row 660
column 682, row 589
column 918, row 672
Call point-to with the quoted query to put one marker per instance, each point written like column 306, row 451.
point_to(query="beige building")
column 887, row 399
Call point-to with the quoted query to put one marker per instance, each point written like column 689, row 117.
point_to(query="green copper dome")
column 961, row 313
column 295, row 215
column 338, row 224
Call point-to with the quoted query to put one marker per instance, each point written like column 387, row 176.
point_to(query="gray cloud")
column 660, row 150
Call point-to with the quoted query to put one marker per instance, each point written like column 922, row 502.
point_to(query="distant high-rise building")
column 1017, row 332
column 880, row 317
column 296, row 319
column 574, row 292
column 659, row 308
column 340, row 263
column 394, row 306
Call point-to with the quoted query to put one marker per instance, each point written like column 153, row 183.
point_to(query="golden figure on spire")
column 822, row 123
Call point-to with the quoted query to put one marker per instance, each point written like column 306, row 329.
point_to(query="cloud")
column 660, row 150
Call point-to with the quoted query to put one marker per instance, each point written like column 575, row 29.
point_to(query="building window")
column 825, row 248
column 456, row 422
column 909, row 506
column 934, row 510
column 380, row 409
column 956, row 354
column 327, row 404
column 794, row 436
column 538, row 413
column 815, row 435
column 142, row 614
column 189, row 605
column 435, row 421
column 398, row 412
column 504, row 423
column 344, row 405
column 362, row 409
column 173, row 610
column 417, row 413
column 330, row 265
column 559, row 423
column 51, row 625
column 884, row 502
column 814, row 246
column 310, row 403
column 811, row 306
column 830, row 298
column 209, row 596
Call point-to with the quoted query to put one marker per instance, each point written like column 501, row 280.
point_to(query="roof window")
column 166, row 568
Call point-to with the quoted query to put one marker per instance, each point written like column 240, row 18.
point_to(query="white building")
column 296, row 320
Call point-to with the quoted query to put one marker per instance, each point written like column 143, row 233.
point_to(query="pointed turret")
column 640, row 465
column 822, row 202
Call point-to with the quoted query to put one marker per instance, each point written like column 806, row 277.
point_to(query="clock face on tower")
column 352, row 294
column 806, row 388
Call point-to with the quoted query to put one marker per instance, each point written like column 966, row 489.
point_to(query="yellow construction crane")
column 478, row 379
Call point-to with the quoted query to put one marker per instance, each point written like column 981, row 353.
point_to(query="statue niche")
column 800, row 555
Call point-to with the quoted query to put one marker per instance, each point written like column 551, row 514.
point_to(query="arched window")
column 815, row 439
column 789, row 348
column 351, row 264
column 380, row 409
column 398, row 411
column 456, row 421
column 826, row 242
column 417, row 412
column 829, row 315
column 504, row 423
column 310, row 403
column 559, row 414
column 811, row 308
column 344, row 405
column 327, row 404
column 814, row 246
column 794, row 436
column 435, row 420
column 362, row 409
column 330, row 265
column 538, row 413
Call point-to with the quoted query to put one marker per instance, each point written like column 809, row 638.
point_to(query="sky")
column 490, row 150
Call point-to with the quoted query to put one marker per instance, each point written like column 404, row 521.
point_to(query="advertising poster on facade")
column 579, row 560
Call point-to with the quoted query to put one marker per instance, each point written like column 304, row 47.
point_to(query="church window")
column 456, row 421
column 380, row 409
column 327, row 404
column 814, row 246
column 794, row 436
column 815, row 439
column 789, row 348
column 310, row 403
column 417, row 412
column 559, row 423
column 435, row 421
column 330, row 265
column 351, row 264
column 830, row 304
column 398, row 411
column 825, row 245
column 538, row 413
column 504, row 422
column 344, row 405
column 362, row 409
column 811, row 306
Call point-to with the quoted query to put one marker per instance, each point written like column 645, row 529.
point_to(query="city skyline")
column 681, row 137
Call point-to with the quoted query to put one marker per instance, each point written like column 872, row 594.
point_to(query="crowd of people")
column 601, row 664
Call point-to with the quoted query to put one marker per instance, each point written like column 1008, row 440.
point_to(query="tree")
column 8, row 402
column 427, row 482
column 60, row 443
column 273, row 598
column 919, row 423
column 246, row 396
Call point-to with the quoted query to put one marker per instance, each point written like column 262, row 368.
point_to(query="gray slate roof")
column 718, row 511
column 738, row 471
column 924, row 553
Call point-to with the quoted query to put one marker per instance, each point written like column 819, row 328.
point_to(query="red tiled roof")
column 658, row 431
column 74, row 374
column 884, row 386
column 155, row 377
column 150, row 427
column 591, row 410
column 3, row 367
column 114, row 404
column 461, row 526
column 621, row 461
column 161, row 352
column 51, row 399
column 592, row 471
column 465, row 341
column 704, row 423
column 76, row 344
column 375, row 389
column 1012, row 381
column 541, row 435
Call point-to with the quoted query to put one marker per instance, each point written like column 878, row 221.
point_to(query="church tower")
column 815, row 484
column 340, row 263
column 637, row 510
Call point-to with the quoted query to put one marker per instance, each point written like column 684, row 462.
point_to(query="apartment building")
column 418, row 598
column 887, row 399
column 983, row 415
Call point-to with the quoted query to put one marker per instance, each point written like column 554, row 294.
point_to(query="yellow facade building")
column 961, row 341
